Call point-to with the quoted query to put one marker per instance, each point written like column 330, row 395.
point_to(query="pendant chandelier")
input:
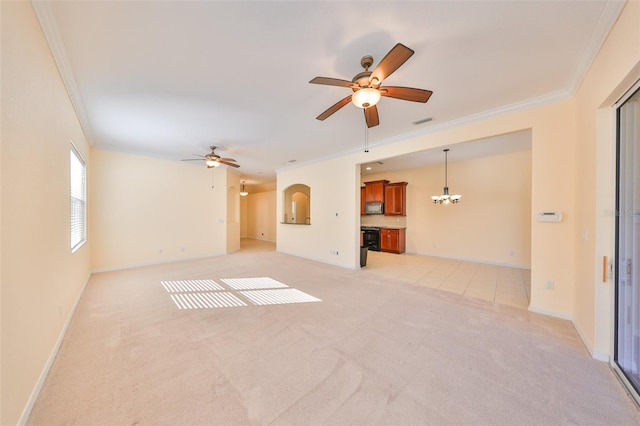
column 445, row 198
column 243, row 192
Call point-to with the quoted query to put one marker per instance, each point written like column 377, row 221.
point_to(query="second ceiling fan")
column 367, row 85
column 213, row 159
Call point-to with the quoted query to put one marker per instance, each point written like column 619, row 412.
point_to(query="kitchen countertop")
column 383, row 227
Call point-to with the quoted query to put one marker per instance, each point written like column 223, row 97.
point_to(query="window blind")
column 78, row 190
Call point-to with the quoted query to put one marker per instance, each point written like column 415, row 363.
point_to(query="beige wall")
column 41, row 279
column 259, row 212
column 615, row 69
column 491, row 224
column 233, row 211
column 147, row 210
column 334, row 233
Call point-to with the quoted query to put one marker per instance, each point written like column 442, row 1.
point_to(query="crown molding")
column 49, row 27
column 608, row 17
column 538, row 101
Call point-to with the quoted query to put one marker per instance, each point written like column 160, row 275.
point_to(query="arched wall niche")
column 297, row 204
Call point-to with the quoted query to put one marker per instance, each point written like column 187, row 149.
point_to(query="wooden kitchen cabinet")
column 395, row 195
column 392, row 240
column 362, row 201
column 374, row 191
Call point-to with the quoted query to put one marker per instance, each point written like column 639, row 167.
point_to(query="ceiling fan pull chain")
column 366, row 138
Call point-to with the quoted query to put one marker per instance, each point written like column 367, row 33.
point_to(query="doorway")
column 627, row 271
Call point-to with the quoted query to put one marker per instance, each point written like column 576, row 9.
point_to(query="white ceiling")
column 496, row 145
column 168, row 79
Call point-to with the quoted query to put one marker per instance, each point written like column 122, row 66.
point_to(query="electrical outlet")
column 549, row 284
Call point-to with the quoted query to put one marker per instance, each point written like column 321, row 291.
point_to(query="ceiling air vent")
column 423, row 120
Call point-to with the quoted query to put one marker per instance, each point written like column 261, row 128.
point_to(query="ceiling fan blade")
column 371, row 116
column 391, row 62
column 406, row 93
column 228, row 163
column 333, row 108
column 227, row 159
column 192, row 159
column 331, row 81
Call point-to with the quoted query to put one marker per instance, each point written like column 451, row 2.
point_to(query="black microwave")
column 374, row 208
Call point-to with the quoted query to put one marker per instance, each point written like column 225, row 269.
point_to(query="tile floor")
column 499, row 284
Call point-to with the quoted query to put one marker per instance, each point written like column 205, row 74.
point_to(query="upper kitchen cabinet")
column 362, row 194
column 395, row 203
column 374, row 191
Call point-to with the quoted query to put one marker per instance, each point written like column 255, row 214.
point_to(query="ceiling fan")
column 213, row 159
column 367, row 89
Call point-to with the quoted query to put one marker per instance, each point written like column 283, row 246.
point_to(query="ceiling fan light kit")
column 445, row 198
column 365, row 98
column 366, row 86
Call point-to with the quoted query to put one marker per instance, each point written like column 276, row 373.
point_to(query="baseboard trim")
column 259, row 239
column 598, row 356
column 583, row 337
column 162, row 262
column 466, row 259
column 325, row 261
column 52, row 357
column 551, row 314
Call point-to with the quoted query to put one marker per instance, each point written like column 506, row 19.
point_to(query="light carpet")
column 374, row 350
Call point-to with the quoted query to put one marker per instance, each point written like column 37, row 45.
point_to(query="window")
column 78, row 190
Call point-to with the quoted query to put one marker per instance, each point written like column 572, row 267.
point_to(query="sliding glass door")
column 627, row 273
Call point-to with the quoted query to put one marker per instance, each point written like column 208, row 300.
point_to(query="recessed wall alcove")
column 297, row 205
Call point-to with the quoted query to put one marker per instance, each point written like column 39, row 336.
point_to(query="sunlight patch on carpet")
column 220, row 299
column 278, row 297
column 252, row 283
column 236, row 292
column 182, row 286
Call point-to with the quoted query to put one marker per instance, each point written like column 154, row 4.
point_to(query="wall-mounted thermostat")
column 549, row 216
